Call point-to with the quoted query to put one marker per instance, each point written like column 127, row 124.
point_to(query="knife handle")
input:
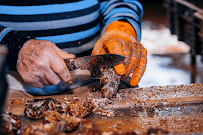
column 70, row 64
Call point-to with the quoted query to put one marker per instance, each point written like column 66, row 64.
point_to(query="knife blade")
column 94, row 63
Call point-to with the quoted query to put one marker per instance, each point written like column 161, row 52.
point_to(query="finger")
column 59, row 67
column 127, row 51
column 63, row 54
column 33, row 81
column 44, row 81
column 134, row 62
column 138, row 73
column 40, row 77
column 52, row 77
column 98, row 48
column 37, row 84
column 114, row 46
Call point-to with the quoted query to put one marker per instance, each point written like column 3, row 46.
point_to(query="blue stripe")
column 121, row 10
column 71, row 37
column 46, row 9
column 139, row 5
column 110, row 2
column 137, row 28
column 2, row 35
column 105, row 8
column 102, row 4
column 126, row 15
column 114, row 19
column 136, row 3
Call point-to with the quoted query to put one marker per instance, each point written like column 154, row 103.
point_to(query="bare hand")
column 42, row 63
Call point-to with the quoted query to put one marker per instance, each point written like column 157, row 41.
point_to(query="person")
column 41, row 34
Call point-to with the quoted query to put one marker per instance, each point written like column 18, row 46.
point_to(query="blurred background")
column 170, row 61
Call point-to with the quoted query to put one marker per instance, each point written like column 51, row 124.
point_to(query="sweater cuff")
column 14, row 41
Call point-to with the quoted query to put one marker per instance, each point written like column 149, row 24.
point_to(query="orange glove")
column 120, row 38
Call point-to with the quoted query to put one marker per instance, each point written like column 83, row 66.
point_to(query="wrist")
column 121, row 26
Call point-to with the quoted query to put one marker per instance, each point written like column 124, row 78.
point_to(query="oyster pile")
column 10, row 124
column 58, row 118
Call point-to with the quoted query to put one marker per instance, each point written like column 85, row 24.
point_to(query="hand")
column 121, row 40
column 42, row 63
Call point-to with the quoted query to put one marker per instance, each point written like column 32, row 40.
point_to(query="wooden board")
column 174, row 108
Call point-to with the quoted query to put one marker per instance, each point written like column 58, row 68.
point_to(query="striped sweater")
column 73, row 25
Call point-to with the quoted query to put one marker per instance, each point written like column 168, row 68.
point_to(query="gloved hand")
column 120, row 38
column 42, row 63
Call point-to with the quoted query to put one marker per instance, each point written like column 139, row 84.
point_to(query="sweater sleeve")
column 14, row 41
column 130, row 11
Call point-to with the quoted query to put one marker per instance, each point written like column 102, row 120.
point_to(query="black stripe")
column 120, row 16
column 140, row 1
column 48, row 17
column 139, row 10
column 130, row 18
column 127, row 6
column 86, row 53
column 1, row 28
column 102, row 1
column 68, row 30
column 78, row 42
column 102, row 18
column 34, row 2
column 104, row 21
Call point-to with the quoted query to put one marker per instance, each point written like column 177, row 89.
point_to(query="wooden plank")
column 173, row 108
column 185, row 3
column 140, row 97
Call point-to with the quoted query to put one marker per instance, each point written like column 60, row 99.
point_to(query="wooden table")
column 173, row 108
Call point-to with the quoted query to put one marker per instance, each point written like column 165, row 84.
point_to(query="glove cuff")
column 122, row 26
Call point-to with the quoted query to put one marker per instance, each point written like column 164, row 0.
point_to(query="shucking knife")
column 94, row 63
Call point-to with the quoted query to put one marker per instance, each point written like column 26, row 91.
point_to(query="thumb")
column 63, row 54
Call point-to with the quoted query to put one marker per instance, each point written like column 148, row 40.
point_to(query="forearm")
column 14, row 41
